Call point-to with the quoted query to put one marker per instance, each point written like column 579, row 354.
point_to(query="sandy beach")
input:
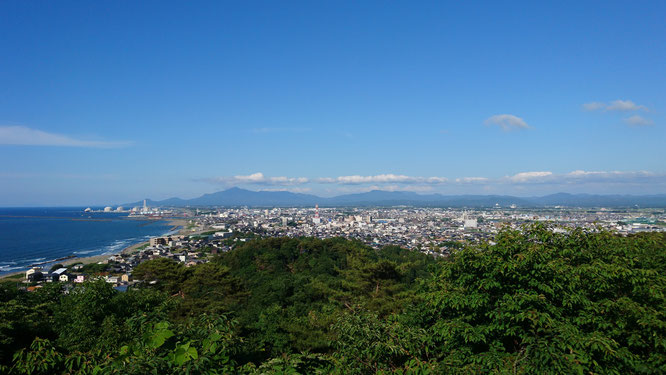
column 176, row 224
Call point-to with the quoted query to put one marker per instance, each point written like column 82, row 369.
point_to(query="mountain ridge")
column 234, row 197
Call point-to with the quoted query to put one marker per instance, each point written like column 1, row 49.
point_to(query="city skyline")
column 116, row 102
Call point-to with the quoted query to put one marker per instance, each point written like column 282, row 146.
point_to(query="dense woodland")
column 533, row 302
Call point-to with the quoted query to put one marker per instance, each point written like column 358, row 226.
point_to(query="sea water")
column 41, row 235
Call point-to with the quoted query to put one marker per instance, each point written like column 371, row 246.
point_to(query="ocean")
column 38, row 235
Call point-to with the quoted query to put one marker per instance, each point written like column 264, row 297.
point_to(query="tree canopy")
column 533, row 301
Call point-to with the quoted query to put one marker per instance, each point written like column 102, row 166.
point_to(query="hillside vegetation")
column 532, row 302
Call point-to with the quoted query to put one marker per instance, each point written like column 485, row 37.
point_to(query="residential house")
column 34, row 274
column 55, row 275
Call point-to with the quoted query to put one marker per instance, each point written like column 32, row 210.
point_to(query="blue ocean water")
column 35, row 235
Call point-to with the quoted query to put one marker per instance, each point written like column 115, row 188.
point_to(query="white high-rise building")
column 316, row 219
column 469, row 223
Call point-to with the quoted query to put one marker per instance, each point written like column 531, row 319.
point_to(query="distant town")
column 205, row 232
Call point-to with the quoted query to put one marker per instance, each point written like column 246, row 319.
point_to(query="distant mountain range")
column 235, row 197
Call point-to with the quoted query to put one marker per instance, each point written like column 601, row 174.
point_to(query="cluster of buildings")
column 432, row 230
column 138, row 211
column 117, row 269
column 76, row 274
column 435, row 231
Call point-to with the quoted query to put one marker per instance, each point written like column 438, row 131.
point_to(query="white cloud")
column 615, row 105
column 469, row 180
column 381, row 178
column 529, row 176
column 625, row 105
column 436, row 180
column 355, row 189
column 21, row 135
column 252, row 178
column 258, row 179
column 578, row 173
column 637, row 120
column 507, row 122
column 393, row 182
column 622, row 106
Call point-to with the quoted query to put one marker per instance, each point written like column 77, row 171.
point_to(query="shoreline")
column 177, row 228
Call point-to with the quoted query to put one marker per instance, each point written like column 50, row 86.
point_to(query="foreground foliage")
column 534, row 302
column 539, row 302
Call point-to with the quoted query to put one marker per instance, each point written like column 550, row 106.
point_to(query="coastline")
column 177, row 228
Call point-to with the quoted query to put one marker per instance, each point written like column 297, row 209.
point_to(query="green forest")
column 531, row 302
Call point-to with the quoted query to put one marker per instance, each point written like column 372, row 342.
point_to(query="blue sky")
column 113, row 101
